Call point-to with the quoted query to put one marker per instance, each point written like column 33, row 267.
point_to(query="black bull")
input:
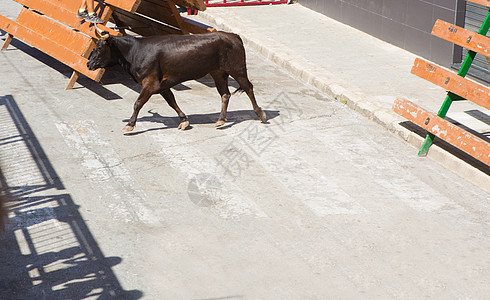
column 161, row 62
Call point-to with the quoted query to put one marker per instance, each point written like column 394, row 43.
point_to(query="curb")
column 313, row 75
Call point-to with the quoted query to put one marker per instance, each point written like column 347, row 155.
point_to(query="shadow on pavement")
column 47, row 250
column 450, row 148
column 234, row 117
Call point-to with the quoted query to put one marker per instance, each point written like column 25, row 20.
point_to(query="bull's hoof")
column 128, row 128
column 183, row 125
column 261, row 114
column 220, row 123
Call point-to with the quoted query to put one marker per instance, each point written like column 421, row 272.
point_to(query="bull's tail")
column 239, row 91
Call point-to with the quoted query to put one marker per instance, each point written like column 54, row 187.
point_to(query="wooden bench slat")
column 74, row 5
column 454, row 135
column 462, row 37
column 70, row 5
column 127, row 5
column 196, row 27
column 195, row 4
column 49, row 47
column 166, row 12
column 160, row 12
column 65, row 36
column 481, row 2
column 64, row 13
column 141, row 25
column 450, row 81
column 177, row 17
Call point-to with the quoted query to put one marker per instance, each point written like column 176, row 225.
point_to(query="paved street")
column 317, row 203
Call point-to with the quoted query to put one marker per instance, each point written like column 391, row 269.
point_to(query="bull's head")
column 102, row 56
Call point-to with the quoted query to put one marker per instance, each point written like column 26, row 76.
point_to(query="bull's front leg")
column 142, row 99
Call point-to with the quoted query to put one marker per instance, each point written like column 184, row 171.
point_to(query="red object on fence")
column 243, row 3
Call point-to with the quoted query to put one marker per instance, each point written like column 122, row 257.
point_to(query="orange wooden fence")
column 458, row 87
column 445, row 130
column 52, row 27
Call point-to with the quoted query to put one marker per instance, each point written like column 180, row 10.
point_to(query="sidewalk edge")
column 295, row 65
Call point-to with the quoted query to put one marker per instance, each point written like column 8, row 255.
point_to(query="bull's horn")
column 103, row 35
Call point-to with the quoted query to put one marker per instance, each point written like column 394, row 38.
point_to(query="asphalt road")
column 317, row 203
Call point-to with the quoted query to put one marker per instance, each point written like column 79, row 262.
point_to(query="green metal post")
column 463, row 70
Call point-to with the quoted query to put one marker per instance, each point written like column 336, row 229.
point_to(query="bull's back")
column 186, row 57
column 178, row 41
column 206, row 46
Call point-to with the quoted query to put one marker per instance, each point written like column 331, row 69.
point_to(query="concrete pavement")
column 350, row 66
column 319, row 203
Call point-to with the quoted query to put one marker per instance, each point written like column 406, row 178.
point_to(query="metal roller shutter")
column 475, row 14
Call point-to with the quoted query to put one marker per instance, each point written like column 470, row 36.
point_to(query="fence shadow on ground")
column 47, row 250
column 450, row 148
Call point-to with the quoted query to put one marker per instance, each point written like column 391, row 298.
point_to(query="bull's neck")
column 124, row 47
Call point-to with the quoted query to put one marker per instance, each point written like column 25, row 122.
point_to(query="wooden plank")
column 74, row 5
column 454, row 135
column 450, row 81
column 196, row 27
column 73, row 80
column 76, row 74
column 71, row 5
column 49, row 47
column 158, row 10
column 195, row 4
column 127, row 5
column 166, row 12
column 481, row 2
column 462, row 37
column 7, row 41
column 141, row 25
column 64, row 12
column 177, row 17
column 75, row 41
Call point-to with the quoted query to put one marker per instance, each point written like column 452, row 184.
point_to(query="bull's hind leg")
column 247, row 86
column 221, row 81
column 170, row 98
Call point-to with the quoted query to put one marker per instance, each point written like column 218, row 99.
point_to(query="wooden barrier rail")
column 443, row 129
column 52, row 27
column 63, row 11
column 462, row 37
column 61, row 53
column 481, row 2
column 458, row 87
column 450, row 81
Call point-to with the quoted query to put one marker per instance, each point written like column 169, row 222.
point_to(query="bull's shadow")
column 234, row 117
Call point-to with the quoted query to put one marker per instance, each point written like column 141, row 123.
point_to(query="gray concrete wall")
column 404, row 23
